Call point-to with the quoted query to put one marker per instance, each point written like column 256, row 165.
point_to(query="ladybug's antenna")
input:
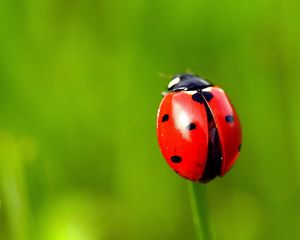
column 189, row 70
column 164, row 75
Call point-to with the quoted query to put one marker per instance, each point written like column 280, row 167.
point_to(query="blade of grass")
column 199, row 210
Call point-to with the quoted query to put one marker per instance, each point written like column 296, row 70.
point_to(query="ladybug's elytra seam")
column 214, row 155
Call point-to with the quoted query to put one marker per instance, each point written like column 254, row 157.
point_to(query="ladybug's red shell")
column 182, row 134
column 228, row 125
column 184, row 121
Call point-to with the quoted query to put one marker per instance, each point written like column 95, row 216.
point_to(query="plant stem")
column 199, row 210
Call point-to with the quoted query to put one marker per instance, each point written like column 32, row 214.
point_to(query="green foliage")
column 80, row 87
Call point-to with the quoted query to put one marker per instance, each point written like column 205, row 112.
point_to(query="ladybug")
column 198, row 129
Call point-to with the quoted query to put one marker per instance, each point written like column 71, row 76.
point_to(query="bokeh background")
column 80, row 86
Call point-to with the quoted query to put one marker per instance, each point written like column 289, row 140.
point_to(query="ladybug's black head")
column 185, row 82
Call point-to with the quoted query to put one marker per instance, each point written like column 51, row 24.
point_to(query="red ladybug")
column 198, row 130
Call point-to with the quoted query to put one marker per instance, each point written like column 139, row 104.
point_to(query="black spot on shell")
column 197, row 97
column 229, row 118
column 165, row 118
column 191, row 126
column 176, row 159
column 240, row 147
column 208, row 96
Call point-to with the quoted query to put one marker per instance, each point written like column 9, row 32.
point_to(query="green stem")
column 199, row 210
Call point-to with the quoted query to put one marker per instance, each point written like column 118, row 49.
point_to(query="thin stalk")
column 199, row 210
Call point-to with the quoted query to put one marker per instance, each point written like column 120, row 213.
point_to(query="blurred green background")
column 79, row 91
